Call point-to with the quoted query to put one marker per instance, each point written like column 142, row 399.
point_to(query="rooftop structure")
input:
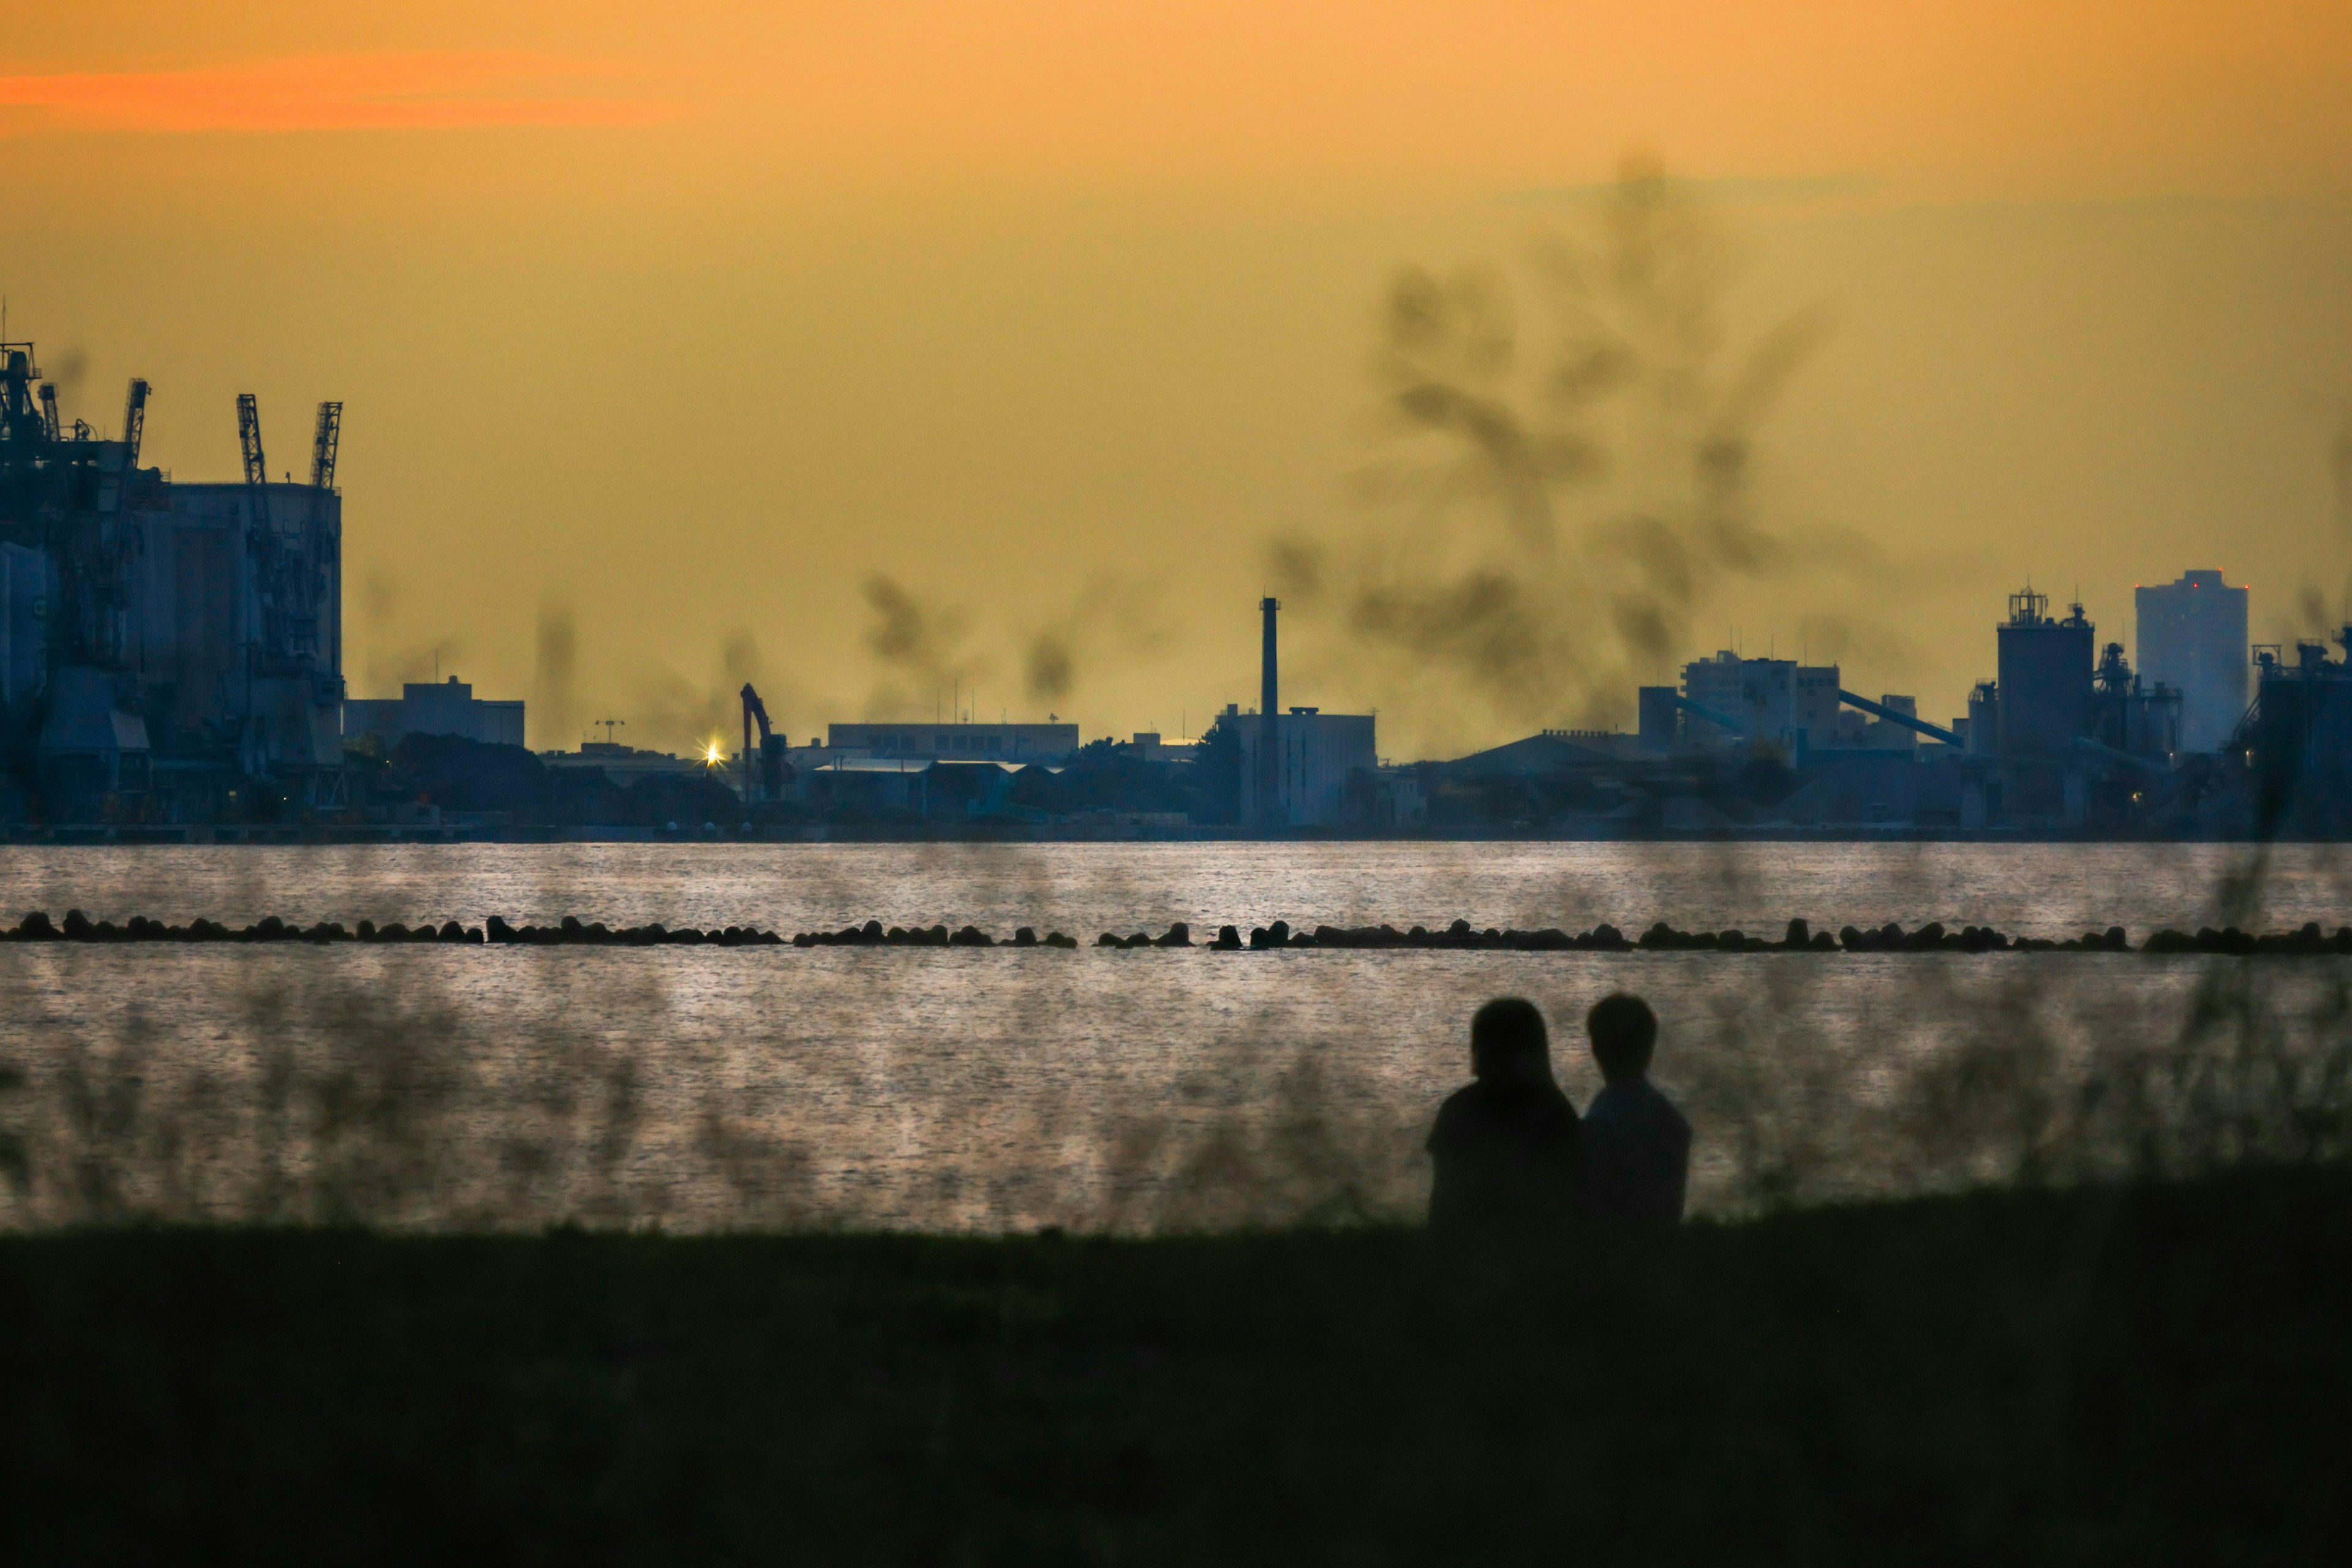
column 958, row 742
column 430, row 707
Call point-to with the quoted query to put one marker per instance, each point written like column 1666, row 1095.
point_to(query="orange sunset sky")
column 677, row 325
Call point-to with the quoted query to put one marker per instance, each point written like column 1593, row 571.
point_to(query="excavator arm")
column 753, row 708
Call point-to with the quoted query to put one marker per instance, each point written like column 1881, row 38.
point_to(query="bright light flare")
column 712, row 755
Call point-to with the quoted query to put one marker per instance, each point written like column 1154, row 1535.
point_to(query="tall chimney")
column 1269, row 754
column 1269, row 687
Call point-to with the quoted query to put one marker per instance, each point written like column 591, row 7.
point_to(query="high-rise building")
column 2192, row 637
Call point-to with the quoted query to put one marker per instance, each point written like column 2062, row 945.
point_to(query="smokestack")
column 1269, row 756
column 1269, row 687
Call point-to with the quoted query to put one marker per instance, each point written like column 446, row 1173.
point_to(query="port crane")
column 324, row 444
column 289, row 568
column 320, row 545
column 134, row 421
column 59, row 493
column 275, row 578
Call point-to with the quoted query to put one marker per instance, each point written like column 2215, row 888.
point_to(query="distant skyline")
column 664, row 333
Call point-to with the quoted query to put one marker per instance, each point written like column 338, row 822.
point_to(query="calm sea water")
column 985, row 1089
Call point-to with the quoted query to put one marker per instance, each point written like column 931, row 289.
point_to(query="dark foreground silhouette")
column 1503, row 1153
column 2151, row 1376
column 1636, row 1156
column 1511, row 1165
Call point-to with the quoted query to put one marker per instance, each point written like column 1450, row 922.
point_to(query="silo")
column 2046, row 678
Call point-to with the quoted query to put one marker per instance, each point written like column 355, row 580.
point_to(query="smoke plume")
column 554, row 704
column 676, row 711
column 1109, row 621
column 924, row 649
column 1568, row 475
column 389, row 665
column 67, row 367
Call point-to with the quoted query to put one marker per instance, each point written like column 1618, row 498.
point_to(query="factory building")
column 2045, row 673
column 1983, row 731
column 2061, row 726
column 2129, row 715
column 2192, row 637
column 162, row 641
column 1658, row 719
column 201, row 627
column 1297, row 768
column 2300, row 739
column 23, row 623
column 1732, row 704
column 1315, row 755
column 1018, row 743
column 435, row 708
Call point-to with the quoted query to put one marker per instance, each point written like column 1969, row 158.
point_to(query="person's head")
column 1625, row 1033
column 1508, row 1041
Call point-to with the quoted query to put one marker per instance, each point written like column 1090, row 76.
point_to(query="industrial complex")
column 171, row 666
column 173, row 651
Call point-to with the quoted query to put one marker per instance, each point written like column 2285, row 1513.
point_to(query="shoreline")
column 126, row 835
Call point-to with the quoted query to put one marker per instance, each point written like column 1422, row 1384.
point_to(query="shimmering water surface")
column 965, row 1089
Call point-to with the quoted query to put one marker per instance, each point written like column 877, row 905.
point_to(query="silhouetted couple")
column 1510, row 1151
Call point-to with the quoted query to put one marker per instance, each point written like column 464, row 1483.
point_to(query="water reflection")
column 985, row 1089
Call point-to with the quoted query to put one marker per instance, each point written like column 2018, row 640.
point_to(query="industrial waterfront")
column 172, row 670
column 1135, row 785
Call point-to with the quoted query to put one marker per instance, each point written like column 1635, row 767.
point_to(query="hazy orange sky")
column 689, row 319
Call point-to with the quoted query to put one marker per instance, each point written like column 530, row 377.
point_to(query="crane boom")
column 284, row 568
column 324, row 444
column 134, row 421
column 248, row 439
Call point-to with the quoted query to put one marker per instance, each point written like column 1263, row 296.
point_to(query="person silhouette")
column 1504, row 1146
column 1636, row 1144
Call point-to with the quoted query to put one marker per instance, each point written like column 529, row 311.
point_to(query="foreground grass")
column 2147, row 1376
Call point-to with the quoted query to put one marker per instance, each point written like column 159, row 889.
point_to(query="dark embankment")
column 2145, row 1377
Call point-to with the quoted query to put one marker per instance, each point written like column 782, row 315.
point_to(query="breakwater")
column 1798, row 936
